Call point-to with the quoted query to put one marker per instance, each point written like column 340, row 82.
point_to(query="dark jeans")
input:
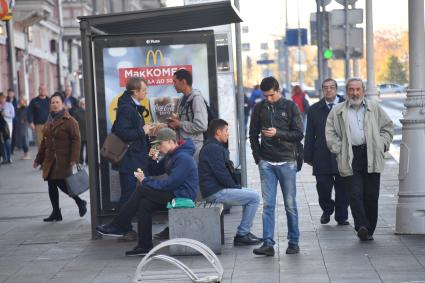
column 128, row 185
column 363, row 188
column 83, row 158
column 143, row 202
column 54, row 193
column 324, row 186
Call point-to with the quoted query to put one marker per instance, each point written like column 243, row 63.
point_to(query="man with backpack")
column 192, row 112
column 275, row 132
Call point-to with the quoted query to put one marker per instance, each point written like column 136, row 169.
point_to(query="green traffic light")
column 328, row 54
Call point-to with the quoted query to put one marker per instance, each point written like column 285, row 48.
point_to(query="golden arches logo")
column 154, row 55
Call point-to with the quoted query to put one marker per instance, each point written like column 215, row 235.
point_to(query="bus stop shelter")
column 171, row 19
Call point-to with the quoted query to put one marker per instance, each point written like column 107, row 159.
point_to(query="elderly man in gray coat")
column 359, row 132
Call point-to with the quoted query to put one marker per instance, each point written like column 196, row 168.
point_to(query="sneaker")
column 266, row 250
column 163, row 235
column 363, row 234
column 370, row 238
column 292, row 249
column 130, row 236
column 137, row 251
column 26, row 157
column 110, row 230
column 246, row 240
column 343, row 223
column 325, row 218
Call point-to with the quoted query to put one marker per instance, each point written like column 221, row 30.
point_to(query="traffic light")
column 328, row 53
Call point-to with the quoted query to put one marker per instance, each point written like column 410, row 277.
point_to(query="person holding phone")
column 274, row 132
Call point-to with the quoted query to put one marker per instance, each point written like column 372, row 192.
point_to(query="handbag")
column 234, row 172
column 113, row 148
column 77, row 183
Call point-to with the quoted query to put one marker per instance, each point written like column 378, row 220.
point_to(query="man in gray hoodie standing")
column 192, row 119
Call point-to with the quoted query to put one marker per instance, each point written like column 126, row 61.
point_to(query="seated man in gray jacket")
column 218, row 185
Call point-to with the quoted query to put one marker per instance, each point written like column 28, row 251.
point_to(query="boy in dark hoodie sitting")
column 152, row 195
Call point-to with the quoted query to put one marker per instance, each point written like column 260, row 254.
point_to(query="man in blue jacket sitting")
column 151, row 194
column 218, row 185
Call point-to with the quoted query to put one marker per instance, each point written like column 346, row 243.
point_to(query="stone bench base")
column 203, row 223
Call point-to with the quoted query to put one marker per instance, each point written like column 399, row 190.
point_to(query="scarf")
column 54, row 116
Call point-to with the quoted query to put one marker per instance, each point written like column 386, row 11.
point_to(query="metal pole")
column 347, row 42
column 319, row 25
column 371, row 90
column 13, row 78
column 286, row 54
column 355, row 60
column 410, row 216
column 325, row 67
column 60, row 44
column 240, row 101
column 25, row 64
column 92, row 149
column 300, row 74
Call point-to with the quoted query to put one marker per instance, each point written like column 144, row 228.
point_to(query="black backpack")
column 212, row 114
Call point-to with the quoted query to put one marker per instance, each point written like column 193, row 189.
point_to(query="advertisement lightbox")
column 155, row 57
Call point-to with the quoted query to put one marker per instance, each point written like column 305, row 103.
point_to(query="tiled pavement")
column 33, row 251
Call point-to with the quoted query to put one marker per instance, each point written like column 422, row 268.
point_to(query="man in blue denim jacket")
column 218, row 185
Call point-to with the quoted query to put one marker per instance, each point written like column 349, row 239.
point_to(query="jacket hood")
column 194, row 93
column 186, row 146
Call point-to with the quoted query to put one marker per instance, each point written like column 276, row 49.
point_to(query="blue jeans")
column 286, row 175
column 7, row 150
column 245, row 197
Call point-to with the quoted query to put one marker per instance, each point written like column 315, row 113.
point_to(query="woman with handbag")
column 58, row 152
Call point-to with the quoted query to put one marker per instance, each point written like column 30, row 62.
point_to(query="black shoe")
column 137, row 251
column 363, row 234
column 266, row 250
column 110, row 230
column 325, row 218
column 163, row 235
column 370, row 238
column 82, row 208
column 343, row 223
column 246, row 240
column 54, row 216
column 292, row 249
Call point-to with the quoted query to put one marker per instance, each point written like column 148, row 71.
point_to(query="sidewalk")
column 34, row 251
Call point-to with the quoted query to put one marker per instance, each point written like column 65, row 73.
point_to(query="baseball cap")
column 165, row 134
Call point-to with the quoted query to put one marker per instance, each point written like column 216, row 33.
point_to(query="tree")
column 394, row 71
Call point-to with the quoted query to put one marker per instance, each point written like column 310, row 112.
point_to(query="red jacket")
column 298, row 98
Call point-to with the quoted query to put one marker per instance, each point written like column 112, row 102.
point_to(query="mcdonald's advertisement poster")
column 157, row 65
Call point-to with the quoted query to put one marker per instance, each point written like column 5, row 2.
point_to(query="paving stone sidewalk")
column 34, row 251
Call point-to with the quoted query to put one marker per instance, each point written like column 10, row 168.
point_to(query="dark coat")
column 60, row 146
column 80, row 116
column 316, row 151
column 129, row 127
column 285, row 117
column 214, row 175
column 179, row 165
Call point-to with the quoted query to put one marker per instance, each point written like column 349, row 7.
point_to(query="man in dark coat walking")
column 317, row 154
column 130, row 127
